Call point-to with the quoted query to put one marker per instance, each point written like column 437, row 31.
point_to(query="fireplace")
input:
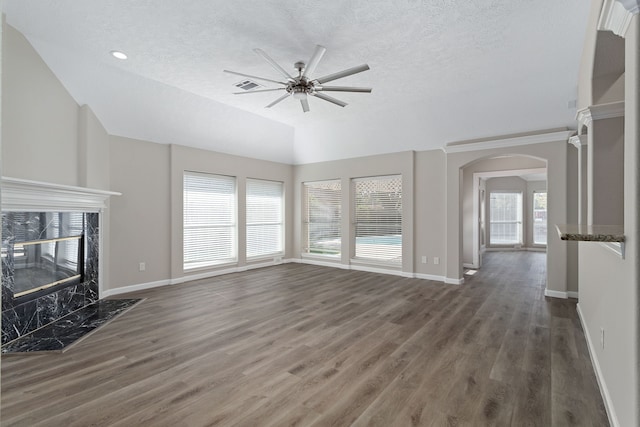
column 51, row 252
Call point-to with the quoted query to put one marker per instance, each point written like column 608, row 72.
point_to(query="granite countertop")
column 591, row 233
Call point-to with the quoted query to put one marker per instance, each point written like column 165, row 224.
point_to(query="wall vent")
column 248, row 85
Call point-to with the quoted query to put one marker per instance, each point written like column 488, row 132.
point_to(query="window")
column 264, row 218
column 539, row 217
column 209, row 218
column 322, row 216
column 378, row 217
column 505, row 218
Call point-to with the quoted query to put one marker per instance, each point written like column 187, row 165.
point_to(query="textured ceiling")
column 441, row 70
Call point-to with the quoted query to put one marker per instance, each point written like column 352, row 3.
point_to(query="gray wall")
column 609, row 297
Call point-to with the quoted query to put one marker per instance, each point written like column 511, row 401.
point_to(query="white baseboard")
column 134, row 288
column 379, row 270
column 555, row 294
column 321, row 263
column 604, row 391
column 188, row 278
column 471, row 266
column 512, row 249
column 560, row 294
column 208, row 274
column 429, row 277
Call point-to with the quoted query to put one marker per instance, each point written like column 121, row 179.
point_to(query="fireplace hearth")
column 51, row 252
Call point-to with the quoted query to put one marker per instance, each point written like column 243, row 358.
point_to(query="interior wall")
column 585, row 74
column 141, row 217
column 430, row 215
column 40, row 117
column 609, row 297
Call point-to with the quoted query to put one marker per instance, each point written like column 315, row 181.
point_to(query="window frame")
column 533, row 218
column 360, row 257
column 307, row 250
column 231, row 225
column 281, row 223
column 519, row 221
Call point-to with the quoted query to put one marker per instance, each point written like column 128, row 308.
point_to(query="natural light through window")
column 209, row 218
column 378, row 215
column 322, row 218
column 505, row 218
column 540, row 218
column 264, row 218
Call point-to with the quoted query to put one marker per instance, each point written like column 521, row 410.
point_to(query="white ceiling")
column 441, row 70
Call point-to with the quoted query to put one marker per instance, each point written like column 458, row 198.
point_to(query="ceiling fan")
column 303, row 84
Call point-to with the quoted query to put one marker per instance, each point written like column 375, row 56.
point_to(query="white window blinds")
column 322, row 216
column 209, row 216
column 264, row 218
column 378, row 217
column 540, row 218
column 505, row 218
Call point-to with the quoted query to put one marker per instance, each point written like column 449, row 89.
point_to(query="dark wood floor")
column 305, row 345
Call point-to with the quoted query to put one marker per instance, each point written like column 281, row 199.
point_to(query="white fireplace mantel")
column 22, row 195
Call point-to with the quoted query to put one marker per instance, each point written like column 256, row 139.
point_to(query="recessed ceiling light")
column 118, row 54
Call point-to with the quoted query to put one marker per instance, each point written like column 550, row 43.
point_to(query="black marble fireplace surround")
column 27, row 313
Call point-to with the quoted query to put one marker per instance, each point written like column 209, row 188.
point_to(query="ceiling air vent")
column 248, row 85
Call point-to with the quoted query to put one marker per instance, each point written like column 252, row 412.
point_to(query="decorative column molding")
column 601, row 111
column 616, row 15
column 579, row 141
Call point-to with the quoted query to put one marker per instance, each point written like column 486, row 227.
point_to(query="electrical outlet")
column 424, row 259
column 142, row 266
column 602, row 337
column 436, row 260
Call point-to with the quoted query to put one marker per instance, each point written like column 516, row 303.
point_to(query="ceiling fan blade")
column 314, row 60
column 274, row 64
column 277, row 100
column 343, row 89
column 254, row 77
column 341, row 74
column 256, row 91
column 330, row 99
column 305, row 105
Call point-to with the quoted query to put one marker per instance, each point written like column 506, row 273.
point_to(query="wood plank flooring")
column 300, row 345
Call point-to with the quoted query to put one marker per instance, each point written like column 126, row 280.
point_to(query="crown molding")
column 601, row 111
column 578, row 141
column 22, row 195
column 616, row 15
column 509, row 142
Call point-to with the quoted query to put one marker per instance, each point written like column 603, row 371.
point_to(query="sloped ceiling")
column 441, row 70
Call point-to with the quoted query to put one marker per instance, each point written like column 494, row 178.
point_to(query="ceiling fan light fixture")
column 302, row 85
column 300, row 95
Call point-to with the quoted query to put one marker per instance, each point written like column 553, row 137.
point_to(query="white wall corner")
column 452, row 281
column 616, row 15
column 604, row 391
